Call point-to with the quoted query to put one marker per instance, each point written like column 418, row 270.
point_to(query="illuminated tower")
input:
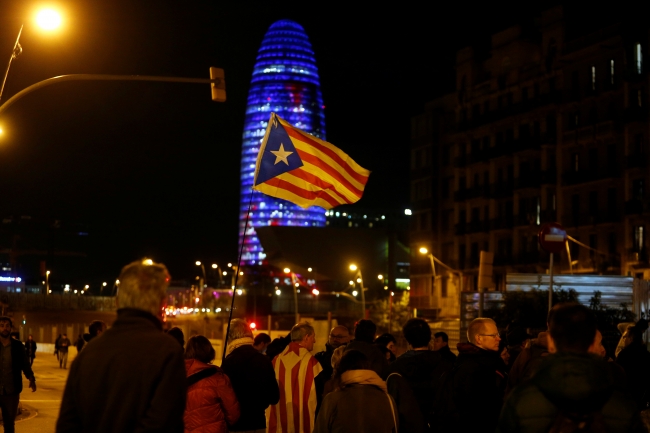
column 285, row 81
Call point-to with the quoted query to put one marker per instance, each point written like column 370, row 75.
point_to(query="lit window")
column 638, row 57
column 593, row 78
column 611, row 71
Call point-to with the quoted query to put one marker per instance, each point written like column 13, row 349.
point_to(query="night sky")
column 153, row 169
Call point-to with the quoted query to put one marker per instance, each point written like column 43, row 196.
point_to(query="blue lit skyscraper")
column 285, row 81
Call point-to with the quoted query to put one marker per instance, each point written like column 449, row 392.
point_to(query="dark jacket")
column 325, row 359
column 447, row 354
column 527, row 362
column 410, row 415
column 635, row 360
column 211, row 402
column 378, row 362
column 253, row 379
column 479, row 382
column 30, row 348
column 19, row 362
column 132, row 379
column 357, row 409
column 573, row 383
column 422, row 370
column 276, row 346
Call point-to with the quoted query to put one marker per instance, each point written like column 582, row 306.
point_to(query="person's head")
column 388, row 341
column 143, row 286
column 597, row 347
column 365, row 330
column 440, row 340
column 417, row 332
column 483, row 333
column 239, row 328
column 199, row 348
column 336, row 357
column 261, row 342
column 96, row 327
column 178, row 335
column 303, row 334
column 339, row 336
column 29, row 337
column 65, row 335
column 634, row 333
column 516, row 335
column 572, row 328
column 352, row 360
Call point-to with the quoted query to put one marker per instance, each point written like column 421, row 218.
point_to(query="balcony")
column 502, row 189
column 637, row 256
column 502, row 223
column 528, row 180
column 637, row 206
column 636, row 161
column 584, row 176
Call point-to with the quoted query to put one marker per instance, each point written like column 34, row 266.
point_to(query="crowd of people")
column 138, row 378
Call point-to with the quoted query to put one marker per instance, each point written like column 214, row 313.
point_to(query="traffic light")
column 219, row 84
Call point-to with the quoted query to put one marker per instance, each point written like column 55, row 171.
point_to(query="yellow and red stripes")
column 328, row 178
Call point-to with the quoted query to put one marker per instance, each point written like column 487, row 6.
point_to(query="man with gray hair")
column 296, row 370
column 133, row 377
column 252, row 377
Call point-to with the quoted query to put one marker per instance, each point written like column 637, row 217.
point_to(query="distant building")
column 29, row 247
column 549, row 125
column 285, row 81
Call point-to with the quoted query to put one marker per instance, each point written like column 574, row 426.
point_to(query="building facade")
column 285, row 81
column 548, row 125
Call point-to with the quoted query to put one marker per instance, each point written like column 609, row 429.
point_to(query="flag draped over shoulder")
column 306, row 170
column 295, row 369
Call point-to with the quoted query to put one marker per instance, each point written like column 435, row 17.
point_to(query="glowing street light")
column 287, row 270
column 46, row 19
column 380, row 277
column 353, row 267
column 47, row 282
column 359, row 279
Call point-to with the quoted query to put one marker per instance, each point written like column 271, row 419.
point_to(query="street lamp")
column 202, row 282
column 359, row 279
column 433, row 260
column 219, row 273
column 47, row 282
column 47, row 19
column 295, row 286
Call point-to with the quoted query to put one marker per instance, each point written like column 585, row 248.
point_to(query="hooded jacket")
column 362, row 405
column 571, row 383
column 211, row 402
column 479, row 384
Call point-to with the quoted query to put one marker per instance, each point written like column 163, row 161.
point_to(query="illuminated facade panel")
column 285, row 81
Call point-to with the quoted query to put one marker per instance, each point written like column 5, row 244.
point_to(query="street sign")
column 552, row 237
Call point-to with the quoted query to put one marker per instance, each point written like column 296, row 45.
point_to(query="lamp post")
column 47, row 19
column 434, row 260
column 47, row 282
column 219, row 273
column 359, row 278
column 295, row 285
column 204, row 280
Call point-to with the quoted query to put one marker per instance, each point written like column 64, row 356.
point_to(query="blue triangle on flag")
column 280, row 155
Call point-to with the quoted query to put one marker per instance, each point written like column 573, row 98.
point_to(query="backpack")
column 569, row 423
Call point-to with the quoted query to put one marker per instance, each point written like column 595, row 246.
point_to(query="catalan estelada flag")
column 306, row 170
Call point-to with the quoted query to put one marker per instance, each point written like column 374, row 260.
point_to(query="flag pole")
column 234, row 291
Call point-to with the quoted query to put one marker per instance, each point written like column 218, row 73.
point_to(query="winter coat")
column 573, row 383
column 635, row 360
column 410, row 415
column 253, row 380
column 211, row 402
column 422, row 370
column 131, row 379
column 19, row 362
column 479, row 383
column 527, row 362
column 361, row 406
column 325, row 359
column 447, row 354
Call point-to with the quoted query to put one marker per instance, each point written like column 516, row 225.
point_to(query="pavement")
column 40, row 409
